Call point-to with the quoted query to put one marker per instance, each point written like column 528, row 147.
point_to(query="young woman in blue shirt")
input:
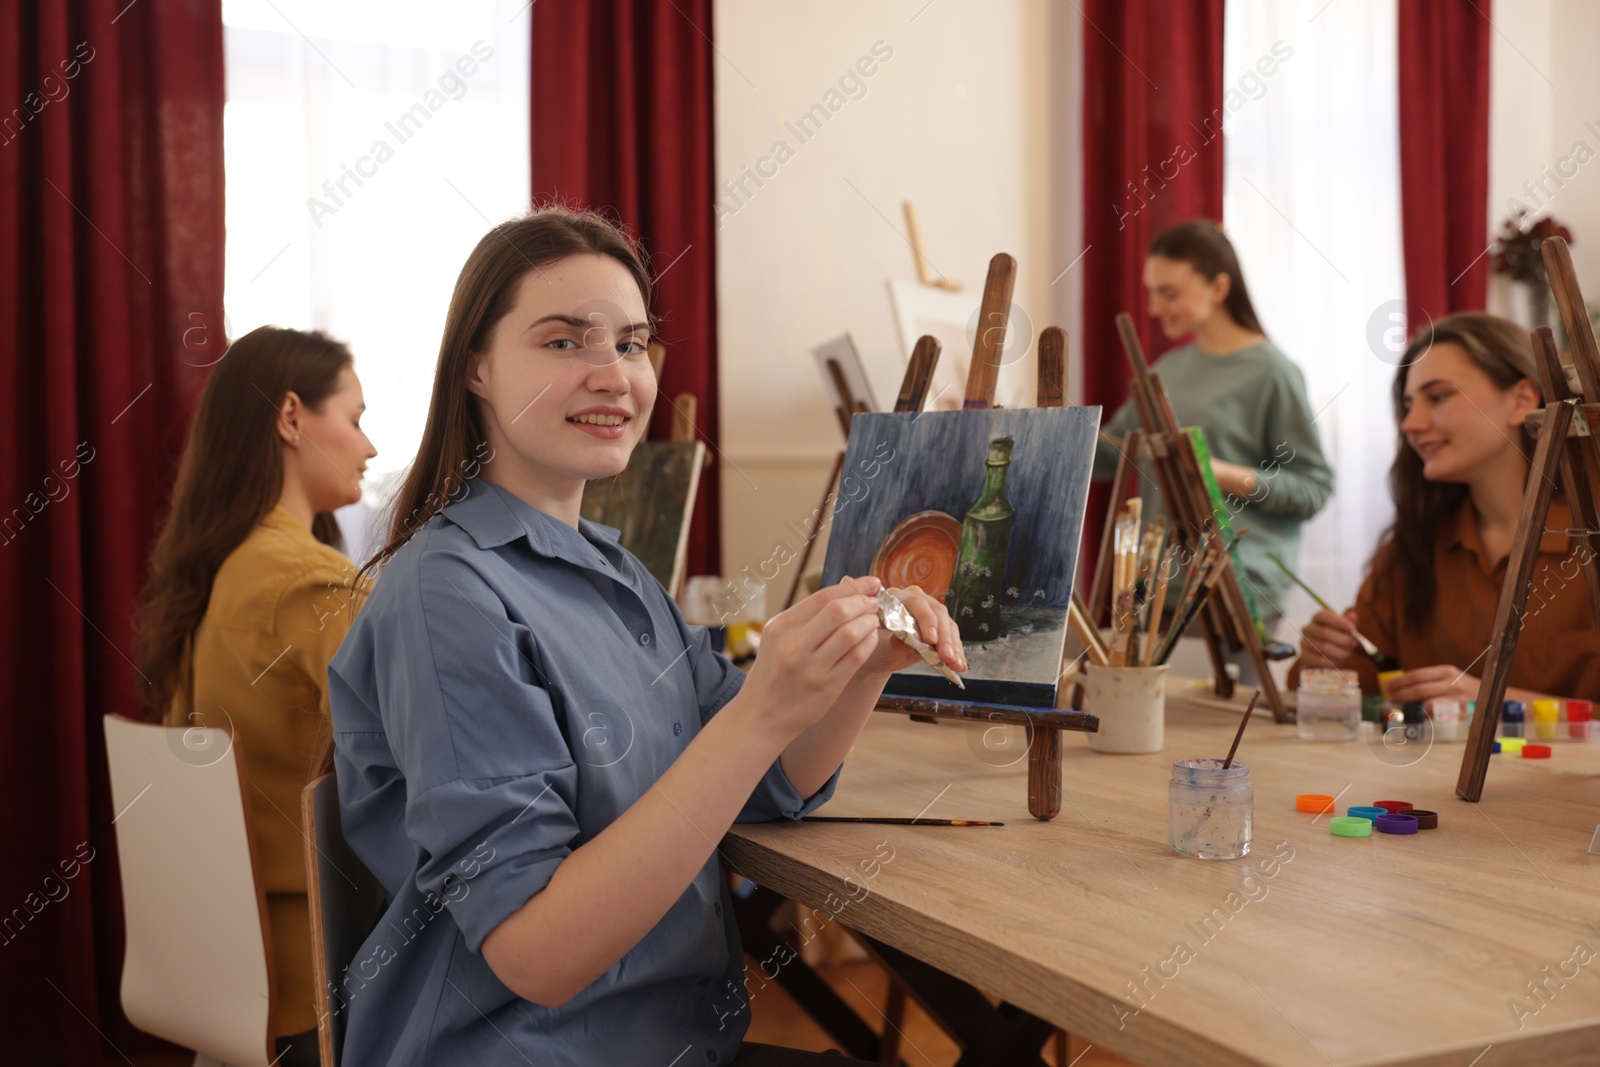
column 536, row 756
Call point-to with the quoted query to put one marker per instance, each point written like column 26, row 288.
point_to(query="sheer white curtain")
column 1312, row 202
column 368, row 147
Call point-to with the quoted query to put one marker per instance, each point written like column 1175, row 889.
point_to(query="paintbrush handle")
column 1202, row 590
column 1373, row 651
column 1091, row 631
column 1243, row 722
column 1155, row 609
column 1123, row 629
column 1296, row 579
column 1086, row 633
column 1366, row 643
column 900, row 821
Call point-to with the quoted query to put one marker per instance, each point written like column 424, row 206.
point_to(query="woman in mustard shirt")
column 248, row 597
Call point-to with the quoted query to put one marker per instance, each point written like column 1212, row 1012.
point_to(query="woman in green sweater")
column 1247, row 396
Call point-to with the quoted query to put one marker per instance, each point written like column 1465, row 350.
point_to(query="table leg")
column 1004, row 1036
column 753, row 916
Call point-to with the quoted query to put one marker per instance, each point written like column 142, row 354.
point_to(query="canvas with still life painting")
column 984, row 510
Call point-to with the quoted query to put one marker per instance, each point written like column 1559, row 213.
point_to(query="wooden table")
column 1312, row 950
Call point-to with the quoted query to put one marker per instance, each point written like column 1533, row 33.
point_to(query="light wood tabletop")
column 1476, row 944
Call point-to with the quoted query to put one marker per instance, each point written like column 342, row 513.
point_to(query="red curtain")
column 111, row 256
column 1444, row 154
column 1152, row 150
column 622, row 123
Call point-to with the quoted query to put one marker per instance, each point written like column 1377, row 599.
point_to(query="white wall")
column 1575, row 116
column 959, row 121
column 1544, row 99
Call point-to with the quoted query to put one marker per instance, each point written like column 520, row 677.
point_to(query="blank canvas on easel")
column 912, row 509
column 949, row 318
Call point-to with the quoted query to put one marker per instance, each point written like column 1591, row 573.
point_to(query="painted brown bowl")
column 919, row 551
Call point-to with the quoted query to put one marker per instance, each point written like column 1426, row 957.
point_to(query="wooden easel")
column 844, row 412
column 1226, row 616
column 683, row 431
column 1567, row 445
column 684, row 407
column 914, row 236
column 1044, row 746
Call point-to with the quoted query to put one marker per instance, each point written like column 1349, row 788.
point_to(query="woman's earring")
column 297, row 437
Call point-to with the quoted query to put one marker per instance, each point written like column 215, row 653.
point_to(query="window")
column 1312, row 203
column 368, row 147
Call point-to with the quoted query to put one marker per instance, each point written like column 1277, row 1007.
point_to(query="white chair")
column 197, row 969
column 345, row 903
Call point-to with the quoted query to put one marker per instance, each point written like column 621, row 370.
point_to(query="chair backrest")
column 197, row 970
column 345, row 903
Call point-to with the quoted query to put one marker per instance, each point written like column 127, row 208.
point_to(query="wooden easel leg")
column 822, row 515
column 1044, row 773
column 1219, row 662
column 1580, row 463
column 1583, row 452
column 1514, row 598
column 1580, row 473
column 1234, row 599
column 1579, row 466
column 1267, row 683
column 1222, row 622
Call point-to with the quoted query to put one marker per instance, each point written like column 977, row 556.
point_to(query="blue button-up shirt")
column 511, row 687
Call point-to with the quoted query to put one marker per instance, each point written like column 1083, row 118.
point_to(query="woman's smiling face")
column 1181, row 298
column 1456, row 418
column 565, row 384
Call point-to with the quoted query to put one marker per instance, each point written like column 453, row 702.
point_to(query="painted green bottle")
column 974, row 600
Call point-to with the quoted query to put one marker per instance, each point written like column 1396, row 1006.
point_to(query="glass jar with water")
column 1211, row 808
column 1329, row 705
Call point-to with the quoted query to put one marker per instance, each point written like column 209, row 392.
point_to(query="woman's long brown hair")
column 230, row 477
column 453, row 442
column 1202, row 244
column 1502, row 350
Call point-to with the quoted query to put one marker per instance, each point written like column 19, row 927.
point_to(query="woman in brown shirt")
column 248, row 597
column 1430, row 595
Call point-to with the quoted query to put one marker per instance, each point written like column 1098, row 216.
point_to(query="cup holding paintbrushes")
column 1122, row 685
column 1130, row 702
